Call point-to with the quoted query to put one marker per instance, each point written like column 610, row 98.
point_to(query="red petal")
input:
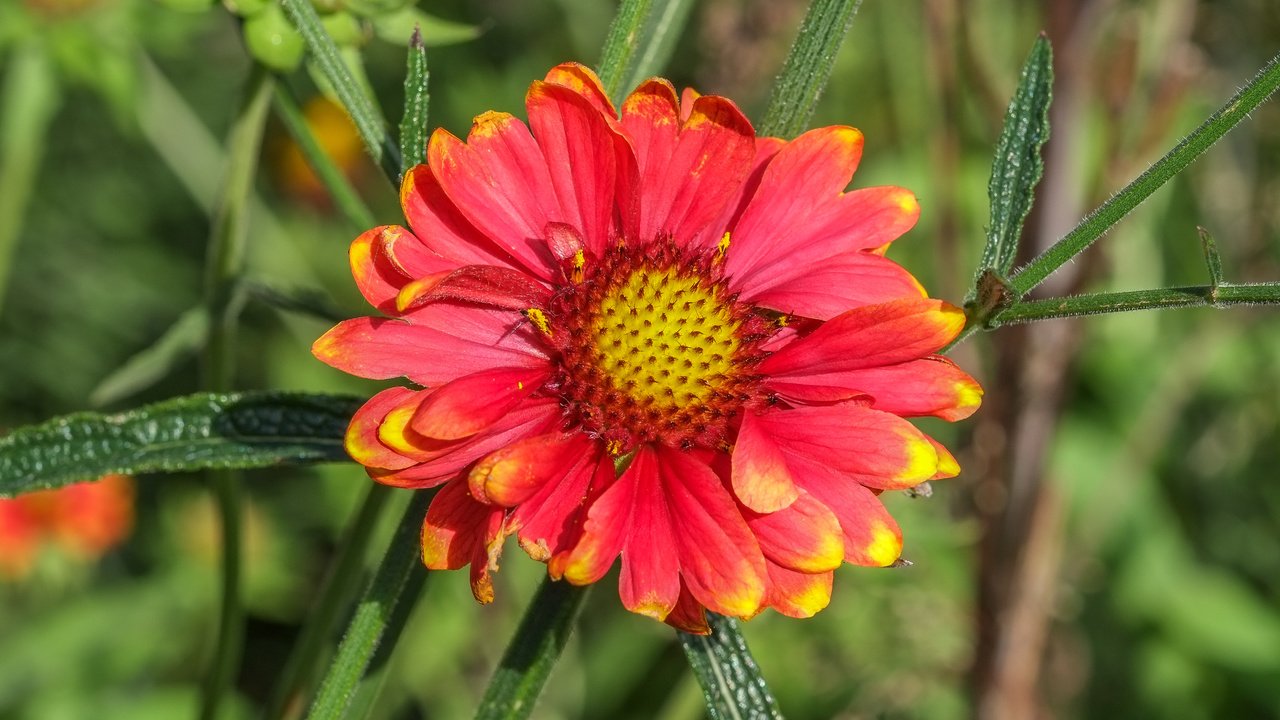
column 441, row 460
column 362, row 441
column 651, row 120
column 499, row 181
column 809, row 234
column 550, row 522
column 582, row 80
column 378, row 279
column 459, row 531
column 874, row 448
column 580, row 150
column 869, row 336
column 650, row 579
column 761, row 479
column 834, row 286
column 804, row 536
column 468, row 339
column 871, row 535
column 688, row 616
column 441, row 228
column 511, row 475
column 932, row 385
column 720, row 560
column 481, row 284
column 797, row 594
column 470, row 404
column 602, row 534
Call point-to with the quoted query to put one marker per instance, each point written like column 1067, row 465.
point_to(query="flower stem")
column 1188, row 149
column 335, row 183
column 299, row 671
column 729, row 676
column 227, row 246
column 808, row 67
column 621, row 44
column 374, row 615
column 640, row 41
column 27, row 105
column 1218, row 296
column 324, row 52
column 533, row 651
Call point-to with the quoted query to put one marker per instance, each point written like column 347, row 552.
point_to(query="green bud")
column 272, row 40
column 246, row 8
column 344, row 28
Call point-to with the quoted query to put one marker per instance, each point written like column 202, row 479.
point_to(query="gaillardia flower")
column 651, row 335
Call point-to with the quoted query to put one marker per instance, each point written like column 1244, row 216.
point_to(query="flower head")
column 650, row 334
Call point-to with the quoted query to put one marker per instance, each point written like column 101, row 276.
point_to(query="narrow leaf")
column 187, row 335
column 335, row 182
column 202, row 431
column 413, row 124
column 621, row 44
column 1017, row 166
column 808, row 67
column 375, row 615
column 729, row 676
column 533, row 651
column 324, row 52
column 311, row 302
column 1211, row 257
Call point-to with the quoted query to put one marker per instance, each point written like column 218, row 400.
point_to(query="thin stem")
column 304, row 660
column 335, row 183
column 1188, row 149
column 1177, row 297
column 373, row 614
column 366, row 694
column 533, row 651
column 808, row 67
column 26, row 109
column 324, row 52
column 227, row 247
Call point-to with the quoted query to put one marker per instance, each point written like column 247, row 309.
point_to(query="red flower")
column 665, row 293
column 84, row 519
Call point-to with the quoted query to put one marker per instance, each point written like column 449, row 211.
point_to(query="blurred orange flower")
column 83, row 520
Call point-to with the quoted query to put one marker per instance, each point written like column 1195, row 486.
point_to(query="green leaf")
column 1211, row 257
column 413, row 124
column 1017, row 166
column 729, row 676
column 187, row 335
column 395, row 27
column 206, row 430
column 640, row 42
column 376, row 614
column 353, row 94
column 1098, row 222
column 533, row 651
column 808, row 67
column 330, row 175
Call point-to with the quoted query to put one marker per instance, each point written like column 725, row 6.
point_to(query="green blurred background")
column 1112, row 548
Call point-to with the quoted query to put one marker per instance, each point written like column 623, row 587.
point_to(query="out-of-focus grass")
column 1166, row 604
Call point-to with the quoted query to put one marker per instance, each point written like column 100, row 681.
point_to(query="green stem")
column 374, row 614
column 29, row 99
column 304, row 660
column 1188, row 149
column 324, row 52
column 666, row 21
column 366, row 694
column 334, row 181
column 808, row 67
column 533, row 651
column 1177, row 297
column 227, row 247
column 620, row 45
column 728, row 674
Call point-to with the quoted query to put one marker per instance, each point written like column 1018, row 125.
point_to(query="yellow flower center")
column 654, row 348
column 665, row 339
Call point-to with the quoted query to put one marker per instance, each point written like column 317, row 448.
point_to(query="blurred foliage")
column 1167, row 602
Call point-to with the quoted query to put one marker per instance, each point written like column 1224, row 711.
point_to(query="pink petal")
column 804, row 536
column 834, row 286
column 509, row 476
column 583, row 80
column 495, row 287
column 550, row 521
column 871, row 536
column 602, row 535
column 459, row 531
column 797, row 594
column 361, row 439
column 472, row 403
column 932, row 385
column 440, row 229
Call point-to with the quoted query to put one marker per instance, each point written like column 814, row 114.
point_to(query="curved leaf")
column 730, row 679
column 206, row 430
